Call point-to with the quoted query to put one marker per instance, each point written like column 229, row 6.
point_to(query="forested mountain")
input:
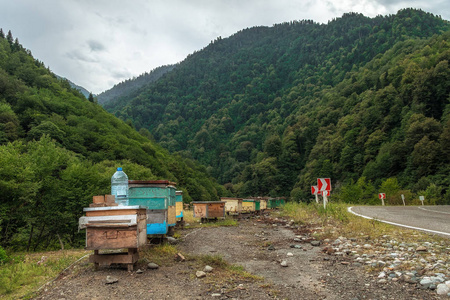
column 82, row 90
column 270, row 109
column 58, row 149
column 131, row 87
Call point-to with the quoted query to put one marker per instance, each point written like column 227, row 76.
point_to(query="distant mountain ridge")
column 84, row 91
column 271, row 108
column 132, row 86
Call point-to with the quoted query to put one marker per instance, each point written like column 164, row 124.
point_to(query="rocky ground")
column 288, row 263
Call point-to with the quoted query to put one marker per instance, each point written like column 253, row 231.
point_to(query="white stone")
column 207, row 269
column 200, row 274
column 443, row 289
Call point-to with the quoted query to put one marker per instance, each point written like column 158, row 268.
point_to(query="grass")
column 25, row 273
column 336, row 221
column 160, row 254
column 196, row 222
column 225, row 274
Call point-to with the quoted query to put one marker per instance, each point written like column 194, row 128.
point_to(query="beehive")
column 209, row 209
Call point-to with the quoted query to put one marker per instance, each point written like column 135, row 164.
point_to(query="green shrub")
column 4, row 258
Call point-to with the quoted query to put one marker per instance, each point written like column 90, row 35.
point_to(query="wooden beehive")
column 179, row 204
column 114, row 227
column 158, row 196
column 209, row 209
column 233, row 206
column 248, row 206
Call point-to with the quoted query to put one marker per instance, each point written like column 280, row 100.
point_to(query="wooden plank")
column 115, row 212
column 111, row 238
column 171, row 215
column 114, row 258
column 98, row 199
column 110, row 200
column 200, row 210
column 216, row 210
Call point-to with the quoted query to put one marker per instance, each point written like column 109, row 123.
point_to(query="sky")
column 99, row 43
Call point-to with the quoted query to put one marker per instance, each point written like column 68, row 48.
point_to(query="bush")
column 4, row 258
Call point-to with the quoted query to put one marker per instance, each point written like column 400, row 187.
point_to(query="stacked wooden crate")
column 112, row 228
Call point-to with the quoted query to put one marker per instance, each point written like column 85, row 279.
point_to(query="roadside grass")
column 336, row 221
column 26, row 272
column 192, row 222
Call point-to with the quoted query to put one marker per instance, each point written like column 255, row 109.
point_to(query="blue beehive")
column 157, row 196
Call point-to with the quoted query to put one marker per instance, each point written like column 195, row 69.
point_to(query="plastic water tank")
column 119, row 187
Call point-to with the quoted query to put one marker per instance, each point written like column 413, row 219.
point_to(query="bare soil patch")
column 259, row 246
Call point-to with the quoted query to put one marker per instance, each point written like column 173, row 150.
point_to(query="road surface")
column 434, row 219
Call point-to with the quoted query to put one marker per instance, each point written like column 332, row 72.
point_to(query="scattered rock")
column 284, row 263
column 207, row 269
column 421, row 249
column 172, row 241
column 216, row 295
column 152, row 266
column 443, row 289
column 200, row 274
column 289, row 254
column 139, row 271
column 271, row 247
column 111, row 279
column 328, row 250
column 315, row 243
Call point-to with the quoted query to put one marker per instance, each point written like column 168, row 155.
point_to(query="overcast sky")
column 99, row 43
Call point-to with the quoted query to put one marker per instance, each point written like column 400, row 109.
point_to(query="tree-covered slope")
column 132, row 86
column 57, row 150
column 270, row 109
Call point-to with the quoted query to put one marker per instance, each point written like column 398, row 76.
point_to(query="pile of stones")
column 425, row 264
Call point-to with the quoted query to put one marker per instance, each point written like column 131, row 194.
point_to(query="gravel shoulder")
column 314, row 270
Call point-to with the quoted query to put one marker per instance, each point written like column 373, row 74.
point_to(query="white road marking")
column 397, row 224
column 440, row 212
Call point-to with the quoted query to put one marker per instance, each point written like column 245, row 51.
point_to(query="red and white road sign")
column 382, row 195
column 326, row 193
column 314, row 190
column 324, row 184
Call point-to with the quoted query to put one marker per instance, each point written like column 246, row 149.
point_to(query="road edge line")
column 349, row 209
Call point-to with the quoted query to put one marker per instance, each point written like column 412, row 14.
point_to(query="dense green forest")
column 58, row 149
column 268, row 110
column 132, row 87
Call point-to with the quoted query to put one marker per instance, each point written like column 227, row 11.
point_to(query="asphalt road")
column 434, row 219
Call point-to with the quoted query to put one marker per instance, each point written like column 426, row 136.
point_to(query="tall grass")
column 25, row 273
column 336, row 221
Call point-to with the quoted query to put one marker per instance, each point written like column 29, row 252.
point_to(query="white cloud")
column 97, row 44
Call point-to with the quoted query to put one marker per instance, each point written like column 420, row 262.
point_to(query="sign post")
column 325, row 194
column 315, row 191
column 382, row 196
column 324, row 186
column 422, row 198
column 403, row 198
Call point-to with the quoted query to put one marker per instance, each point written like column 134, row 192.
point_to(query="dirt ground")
column 259, row 246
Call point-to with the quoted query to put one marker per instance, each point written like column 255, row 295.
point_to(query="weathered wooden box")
column 114, row 227
column 263, row 204
column 158, row 196
column 179, row 204
column 233, row 206
column 248, row 206
column 209, row 209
